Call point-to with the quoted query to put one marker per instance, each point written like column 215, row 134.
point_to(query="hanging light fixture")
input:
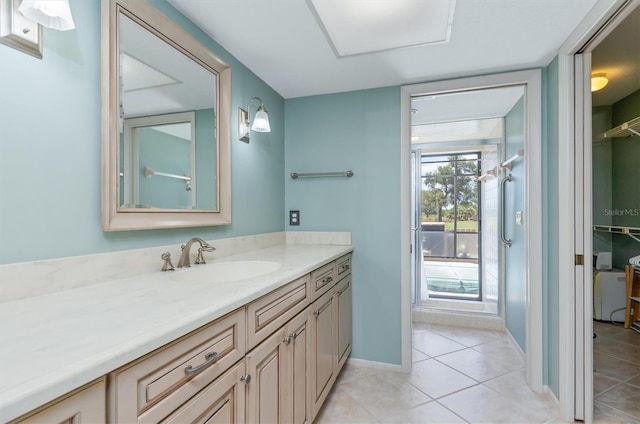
column 598, row 81
column 260, row 121
column 55, row 14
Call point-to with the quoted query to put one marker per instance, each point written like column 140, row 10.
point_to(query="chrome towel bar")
column 296, row 175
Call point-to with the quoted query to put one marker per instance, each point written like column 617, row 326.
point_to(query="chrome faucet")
column 186, row 249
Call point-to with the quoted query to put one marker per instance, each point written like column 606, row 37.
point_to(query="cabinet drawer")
column 272, row 311
column 222, row 402
column 343, row 266
column 83, row 406
column 322, row 279
column 151, row 388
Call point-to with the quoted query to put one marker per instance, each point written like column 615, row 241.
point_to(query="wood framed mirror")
column 166, row 102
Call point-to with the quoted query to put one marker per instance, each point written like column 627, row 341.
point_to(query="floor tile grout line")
column 452, row 411
column 625, row 413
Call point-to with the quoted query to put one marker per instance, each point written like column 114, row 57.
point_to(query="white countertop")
column 54, row 343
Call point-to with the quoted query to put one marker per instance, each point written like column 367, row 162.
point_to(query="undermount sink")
column 238, row 270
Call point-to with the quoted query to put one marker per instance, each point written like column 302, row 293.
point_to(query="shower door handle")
column 503, row 239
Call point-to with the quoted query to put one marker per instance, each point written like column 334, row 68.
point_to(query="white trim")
column 531, row 79
column 405, row 231
column 590, row 25
column 566, row 268
column 533, row 235
column 385, row 366
column 586, row 36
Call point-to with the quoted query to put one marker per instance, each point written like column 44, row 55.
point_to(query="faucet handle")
column 200, row 257
column 167, row 265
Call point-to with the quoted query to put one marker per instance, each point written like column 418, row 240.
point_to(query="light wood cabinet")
column 297, row 371
column 277, row 392
column 221, row 402
column 343, row 321
column 83, row 406
column 273, row 310
column 322, row 357
column 153, row 387
column 265, row 392
column 274, row 360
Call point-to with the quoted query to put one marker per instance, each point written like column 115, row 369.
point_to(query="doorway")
column 448, row 212
column 529, row 82
column 604, row 187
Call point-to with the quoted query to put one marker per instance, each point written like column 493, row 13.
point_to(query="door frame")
column 575, row 201
column 531, row 80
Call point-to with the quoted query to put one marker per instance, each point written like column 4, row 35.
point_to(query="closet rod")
column 296, row 175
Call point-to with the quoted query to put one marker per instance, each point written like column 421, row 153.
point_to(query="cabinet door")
column 296, row 390
column 86, row 405
column 266, row 366
column 221, row 402
column 343, row 321
column 323, row 352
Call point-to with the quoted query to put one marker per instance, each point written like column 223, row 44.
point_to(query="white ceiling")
column 283, row 43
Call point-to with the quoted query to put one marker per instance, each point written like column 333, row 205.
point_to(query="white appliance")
column 609, row 294
column 603, row 260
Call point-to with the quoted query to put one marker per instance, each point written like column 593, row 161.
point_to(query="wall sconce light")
column 260, row 121
column 21, row 22
column 598, row 82
column 54, row 14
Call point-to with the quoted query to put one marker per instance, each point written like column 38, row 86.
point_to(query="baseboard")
column 547, row 391
column 516, row 345
column 460, row 319
column 374, row 364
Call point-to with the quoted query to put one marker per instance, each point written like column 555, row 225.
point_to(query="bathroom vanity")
column 253, row 337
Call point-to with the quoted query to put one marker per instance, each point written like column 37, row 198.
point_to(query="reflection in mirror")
column 156, row 81
column 166, row 124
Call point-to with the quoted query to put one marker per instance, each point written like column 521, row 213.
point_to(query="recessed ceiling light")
column 366, row 26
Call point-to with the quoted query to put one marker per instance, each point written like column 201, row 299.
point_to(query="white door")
column 575, row 196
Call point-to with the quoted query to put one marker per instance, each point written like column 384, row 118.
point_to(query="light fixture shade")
column 55, row 14
column 598, row 82
column 261, row 121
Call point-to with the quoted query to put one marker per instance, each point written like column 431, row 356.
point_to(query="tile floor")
column 616, row 376
column 459, row 376
column 477, row 376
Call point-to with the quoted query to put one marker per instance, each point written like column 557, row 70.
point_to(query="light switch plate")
column 519, row 217
column 294, row 217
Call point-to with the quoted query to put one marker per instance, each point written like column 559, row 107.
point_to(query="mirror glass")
column 166, row 120
column 168, row 112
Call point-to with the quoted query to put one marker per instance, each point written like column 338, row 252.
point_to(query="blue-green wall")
column 625, row 180
column 50, row 150
column 550, row 226
column 360, row 131
column 515, row 278
column 167, row 153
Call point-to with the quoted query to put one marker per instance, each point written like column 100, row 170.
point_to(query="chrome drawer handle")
column 322, row 308
column 210, row 358
column 246, row 378
column 327, row 280
column 345, row 267
column 343, row 290
column 287, row 340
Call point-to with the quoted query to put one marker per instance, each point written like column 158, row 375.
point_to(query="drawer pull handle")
column 327, row 280
column 343, row 290
column 210, row 358
column 321, row 310
column 246, row 378
column 345, row 267
column 287, row 340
